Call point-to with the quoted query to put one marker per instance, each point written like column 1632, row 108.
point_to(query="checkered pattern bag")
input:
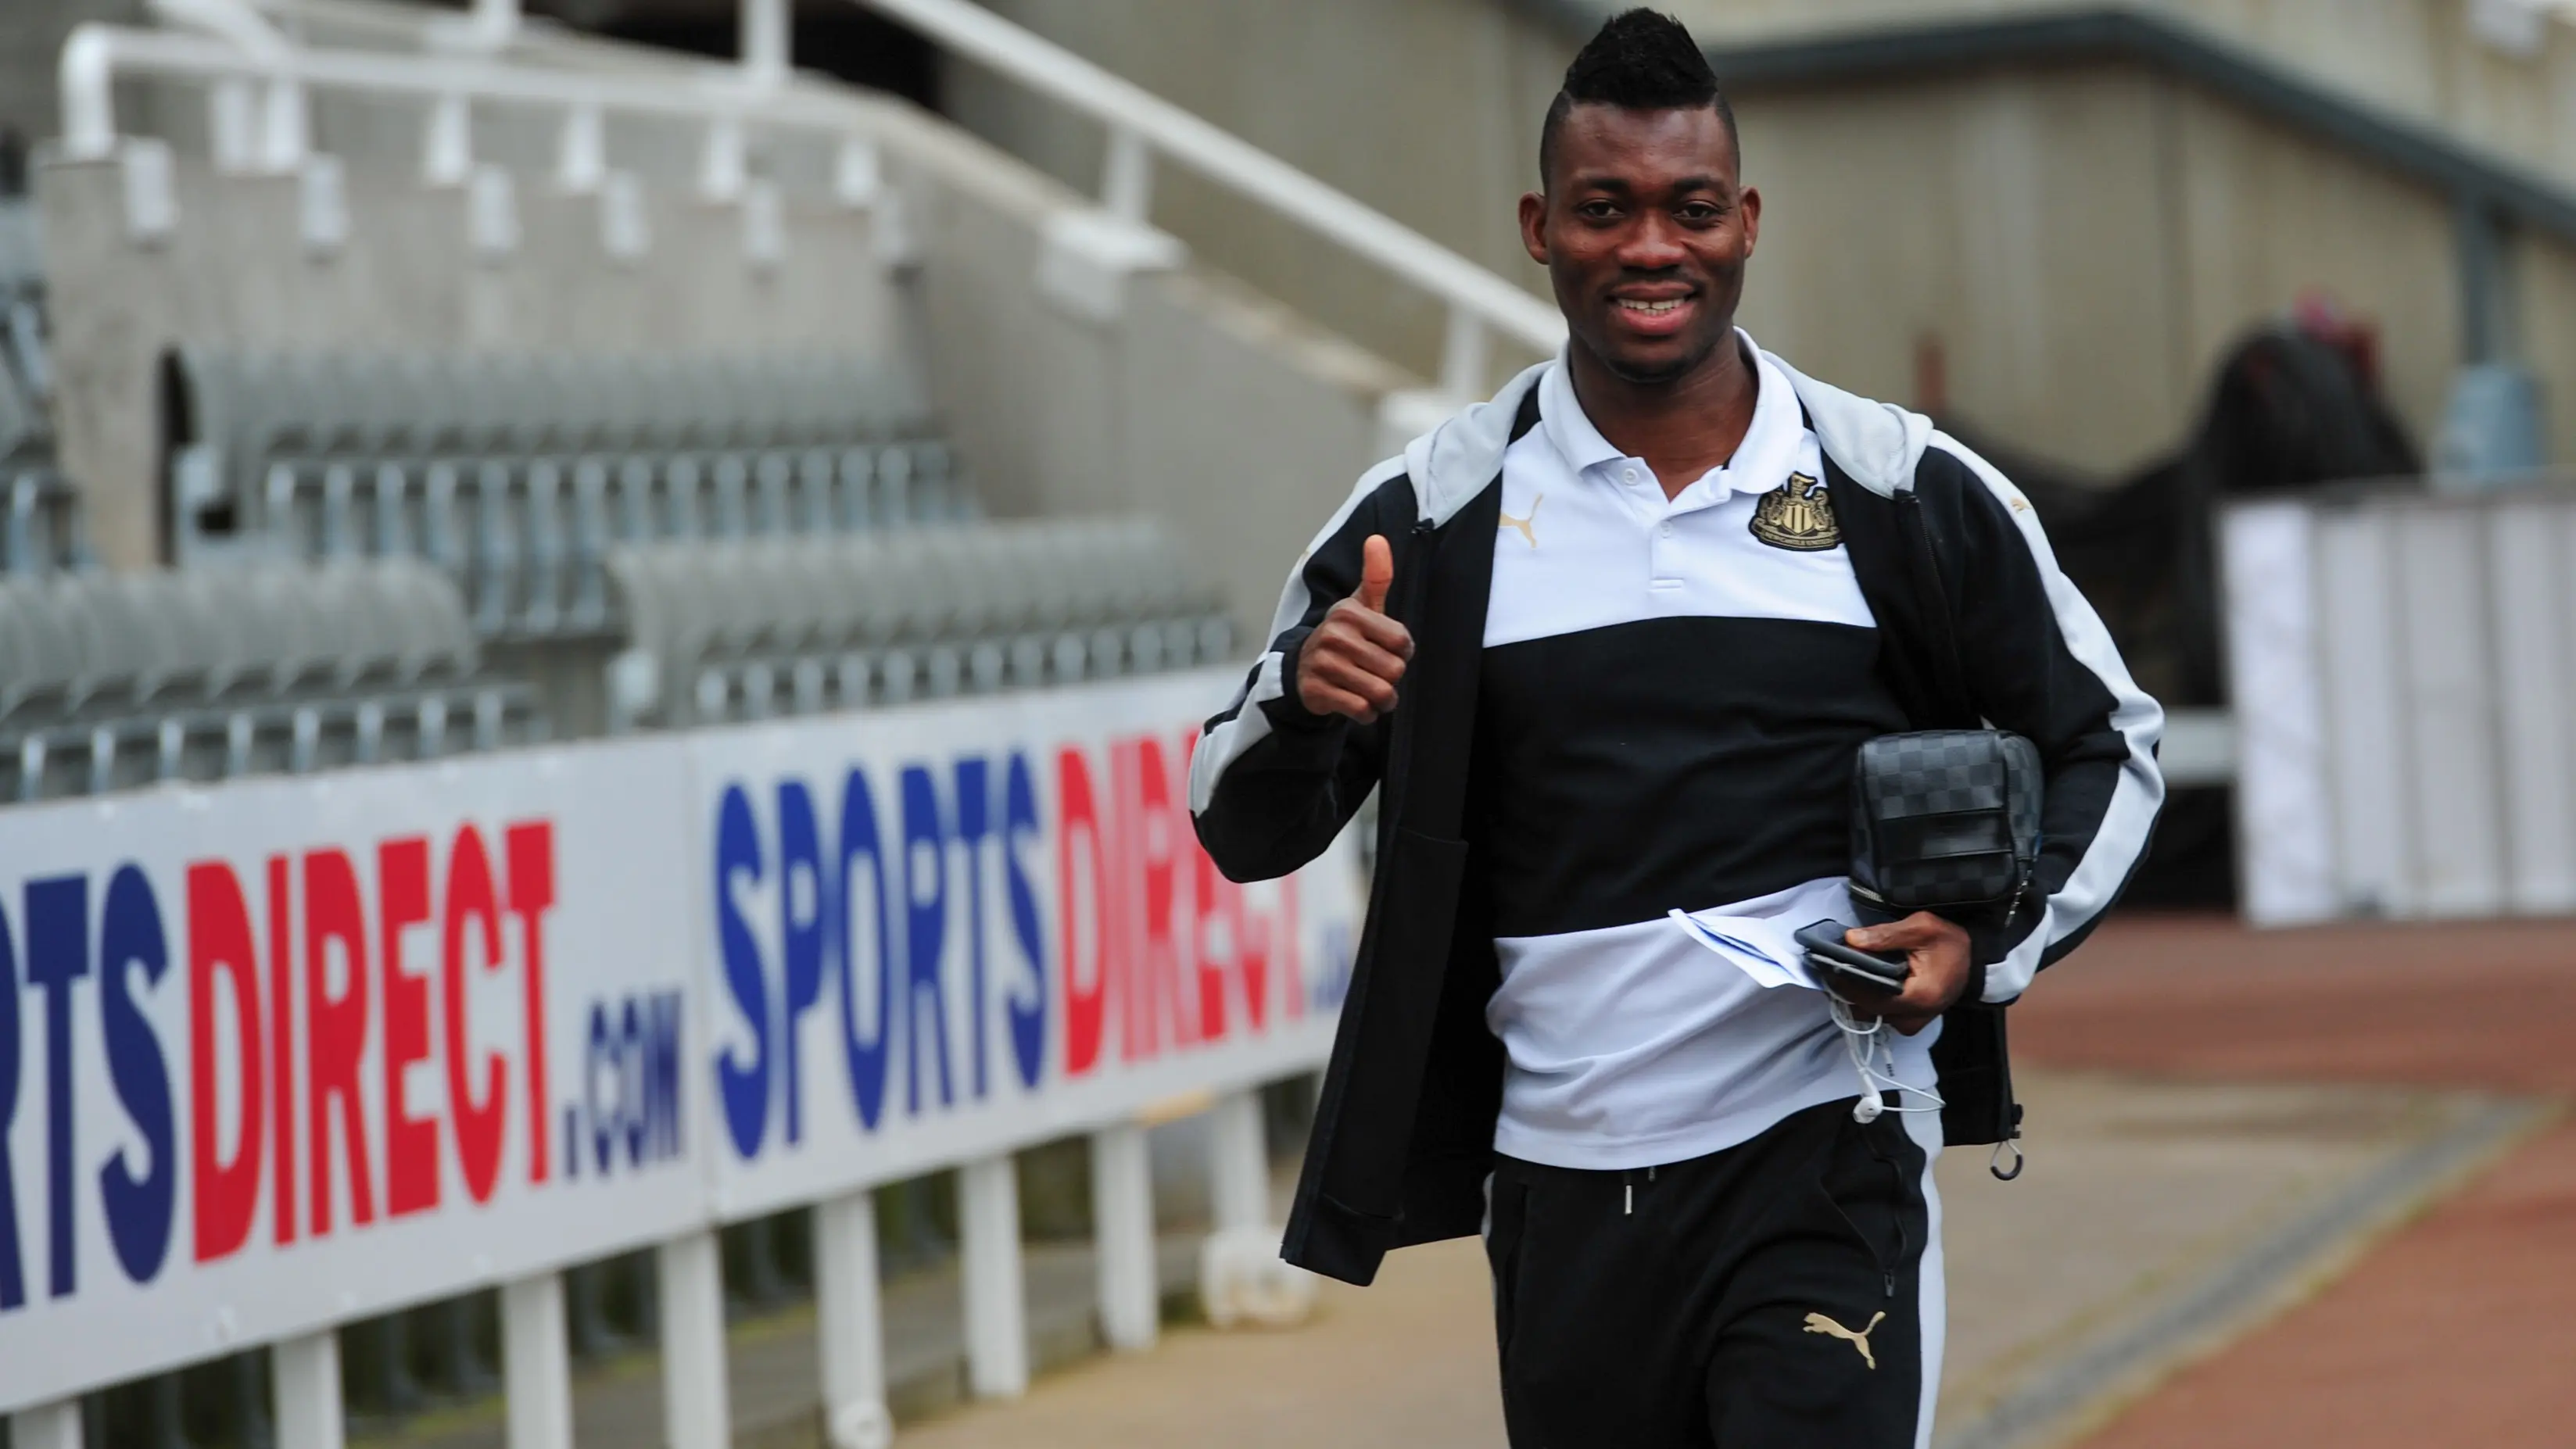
column 1945, row 820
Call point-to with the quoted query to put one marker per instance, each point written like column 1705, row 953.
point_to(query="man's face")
column 1645, row 229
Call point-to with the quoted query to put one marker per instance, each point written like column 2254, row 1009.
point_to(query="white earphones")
column 1867, row 1045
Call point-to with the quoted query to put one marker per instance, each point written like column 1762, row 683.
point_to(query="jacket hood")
column 1876, row 443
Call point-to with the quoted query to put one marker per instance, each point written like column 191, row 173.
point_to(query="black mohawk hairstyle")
column 1640, row 60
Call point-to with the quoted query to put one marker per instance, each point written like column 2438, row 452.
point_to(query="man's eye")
column 1700, row 213
column 1596, row 211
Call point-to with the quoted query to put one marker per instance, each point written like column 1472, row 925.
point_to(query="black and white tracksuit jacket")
column 1979, row 625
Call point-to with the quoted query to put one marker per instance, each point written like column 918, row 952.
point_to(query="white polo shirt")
column 1672, row 695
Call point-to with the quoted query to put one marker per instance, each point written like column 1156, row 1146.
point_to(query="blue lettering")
column 635, row 1048
column 57, row 956
column 138, row 1208
column 743, row 1088
column 804, row 920
column 630, row 1080
column 925, row 897
column 1028, row 1007
column 974, row 807
column 662, row 1076
column 13, row 1279
column 865, row 1055
column 600, row 1055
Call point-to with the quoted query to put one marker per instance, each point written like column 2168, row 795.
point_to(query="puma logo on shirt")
column 1819, row 1323
column 1523, row 524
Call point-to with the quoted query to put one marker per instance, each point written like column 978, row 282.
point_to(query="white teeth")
column 1651, row 309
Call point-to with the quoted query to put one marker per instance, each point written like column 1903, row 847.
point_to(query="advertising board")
column 280, row 1054
column 981, row 924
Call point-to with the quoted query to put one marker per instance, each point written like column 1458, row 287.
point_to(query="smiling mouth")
column 1658, row 308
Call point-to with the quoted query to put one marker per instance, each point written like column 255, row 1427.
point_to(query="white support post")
column 695, row 1411
column 1127, row 176
column 1466, row 358
column 765, row 41
column 581, row 151
column 1240, row 1161
column 1122, row 1234
column 304, row 1378
column 495, row 22
column 997, row 1336
column 447, row 144
column 1241, row 1278
column 723, row 160
column 47, row 1426
column 536, row 1363
column 852, row 1323
column 858, row 174
column 285, row 128
column 232, row 125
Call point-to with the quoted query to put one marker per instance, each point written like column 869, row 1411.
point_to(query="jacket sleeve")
column 2040, row 663
column 1271, row 783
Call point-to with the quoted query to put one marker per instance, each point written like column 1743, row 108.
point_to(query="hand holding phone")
column 1846, row 968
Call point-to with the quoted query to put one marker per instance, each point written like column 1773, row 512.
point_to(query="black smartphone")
column 1849, row 965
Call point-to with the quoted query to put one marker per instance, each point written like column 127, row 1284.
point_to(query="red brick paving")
column 2461, row 1328
column 2490, row 1004
column 2455, row 1332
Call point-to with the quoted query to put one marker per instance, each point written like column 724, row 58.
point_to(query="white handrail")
column 1140, row 125
column 1129, row 110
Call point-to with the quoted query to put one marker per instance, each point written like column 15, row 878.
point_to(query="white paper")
column 1766, row 950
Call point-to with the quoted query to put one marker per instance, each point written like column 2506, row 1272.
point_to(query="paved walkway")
column 2144, row 1137
column 2217, row 1118
column 2455, row 1330
column 2187, row 1178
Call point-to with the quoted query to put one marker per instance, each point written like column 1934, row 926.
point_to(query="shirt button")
column 1668, row 530
column 1627, row 475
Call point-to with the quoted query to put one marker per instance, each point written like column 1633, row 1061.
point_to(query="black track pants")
column 1784, row 1293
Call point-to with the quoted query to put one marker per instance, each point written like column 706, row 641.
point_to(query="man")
column 1607, row 646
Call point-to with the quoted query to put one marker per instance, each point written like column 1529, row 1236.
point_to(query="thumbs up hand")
column 1350, row 665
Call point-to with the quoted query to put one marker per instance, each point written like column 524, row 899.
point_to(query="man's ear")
column 1534, row 225
column 1751, row 204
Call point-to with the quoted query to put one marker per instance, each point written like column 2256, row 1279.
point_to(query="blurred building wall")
column 2070, row 248
column 2494, row 73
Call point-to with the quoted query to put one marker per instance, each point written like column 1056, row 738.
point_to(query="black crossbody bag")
column 1948, row 821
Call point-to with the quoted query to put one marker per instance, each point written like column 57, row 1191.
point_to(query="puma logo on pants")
column 1819, row 1323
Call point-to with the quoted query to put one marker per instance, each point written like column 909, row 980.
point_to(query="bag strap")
column 1932, row 602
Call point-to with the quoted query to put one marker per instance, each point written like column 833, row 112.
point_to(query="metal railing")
column 260, row 118
column 1143, row 126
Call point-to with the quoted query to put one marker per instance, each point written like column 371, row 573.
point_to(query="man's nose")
column 1653, row 244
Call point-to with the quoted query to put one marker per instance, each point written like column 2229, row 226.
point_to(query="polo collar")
column 1765, row 456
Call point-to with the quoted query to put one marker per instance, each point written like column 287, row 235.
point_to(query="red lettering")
column 1121, row 973
column 529, row 848
column 411, row 1143
column 1158, row 862
column 1082, row 890
column 335, row 1030
column 219, row 942
column 1218, row 902
column 281, row 1006
column 471, row 899
column 1213, row 899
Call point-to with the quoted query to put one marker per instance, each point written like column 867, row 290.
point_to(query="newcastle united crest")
column 1796, row 515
